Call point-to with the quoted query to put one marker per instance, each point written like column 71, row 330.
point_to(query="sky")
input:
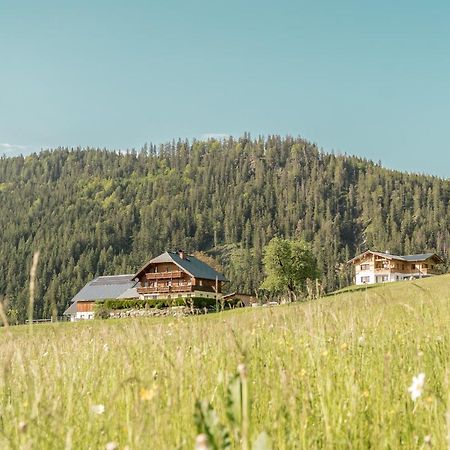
column 363, row 78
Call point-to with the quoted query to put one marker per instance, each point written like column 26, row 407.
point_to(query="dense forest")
column 92, row 212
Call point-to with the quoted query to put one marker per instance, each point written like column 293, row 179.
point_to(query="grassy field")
column 332, row 374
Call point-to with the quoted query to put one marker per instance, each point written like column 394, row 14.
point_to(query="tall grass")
column 332, row 374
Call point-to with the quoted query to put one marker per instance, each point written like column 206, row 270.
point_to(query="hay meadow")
column 327, row 374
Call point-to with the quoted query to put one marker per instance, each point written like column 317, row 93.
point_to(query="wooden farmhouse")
column 101, row 288
column 177, row 274
column 377, row 267
column 169, row 275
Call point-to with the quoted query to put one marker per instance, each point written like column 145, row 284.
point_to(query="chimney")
column 181, row 253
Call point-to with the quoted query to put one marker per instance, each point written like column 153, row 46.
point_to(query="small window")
column 413, row 266
column 425, row 266
column 365, row 266
column 365, row 279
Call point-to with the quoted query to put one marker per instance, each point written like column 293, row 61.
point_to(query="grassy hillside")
column 331, row 374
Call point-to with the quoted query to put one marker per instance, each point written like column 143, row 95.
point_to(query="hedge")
column 196, row 302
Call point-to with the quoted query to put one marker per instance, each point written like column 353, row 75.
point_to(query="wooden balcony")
column 164, row 275
column 164, row 289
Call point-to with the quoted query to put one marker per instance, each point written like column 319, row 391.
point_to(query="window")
column 425, row 266
column 365, row 266
column 365, row 279
column 413, row 266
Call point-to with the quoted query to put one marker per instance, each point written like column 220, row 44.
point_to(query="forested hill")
column 92, row 212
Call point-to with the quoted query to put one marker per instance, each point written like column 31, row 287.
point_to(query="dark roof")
column 190, row 264
column 408, row 258
column 131, row 293
column 420, row 257
column 105, row 287
column 72, row 309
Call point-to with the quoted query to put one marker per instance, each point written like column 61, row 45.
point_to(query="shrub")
column 196, row 302
column 101, row 311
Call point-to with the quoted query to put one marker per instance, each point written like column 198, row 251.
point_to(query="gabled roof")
column 105, row 287
column 100, row 288
column 406, row 258
column 72, row 309
column 190, row 264
column 422, row 257
column 129, row 294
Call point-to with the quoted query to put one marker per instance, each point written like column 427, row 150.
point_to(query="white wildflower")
column 416, row 387
column 98, row 409
column 112, row 446
column 361, row 340
column 201, row 442
column 242, row 370
column 427, row 439
column 105, row 347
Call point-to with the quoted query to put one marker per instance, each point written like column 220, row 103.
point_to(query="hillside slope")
column 94, row 212
column 328, row 374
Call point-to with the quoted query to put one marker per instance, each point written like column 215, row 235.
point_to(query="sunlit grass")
column 332, row 373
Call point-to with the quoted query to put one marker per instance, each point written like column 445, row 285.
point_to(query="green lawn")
column 332, row 373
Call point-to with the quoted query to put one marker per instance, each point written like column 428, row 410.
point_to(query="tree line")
column 93, row 212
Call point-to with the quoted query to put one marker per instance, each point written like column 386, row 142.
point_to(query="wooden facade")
column 375, row 267
column 168, row 279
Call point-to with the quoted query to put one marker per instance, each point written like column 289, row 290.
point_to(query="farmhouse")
column 169, row 275
column 377, row 267
column 101, row 288
column 177, row 274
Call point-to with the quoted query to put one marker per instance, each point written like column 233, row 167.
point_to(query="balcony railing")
column 164, row 289
column 163, row 275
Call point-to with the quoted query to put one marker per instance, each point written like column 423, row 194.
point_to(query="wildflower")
column 112, row 446
column 105, row 347
column 427, row 439
column 416, row 387
column 242, row 370
column 324, row 353
column 344, row 346
column 361, row 340
column 147, row 394
column 302, row 373
column 22, row 426
column 201, row 442
column 98, row 409
column 365, row 394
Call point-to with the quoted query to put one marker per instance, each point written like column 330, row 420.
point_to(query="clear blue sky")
column 365, row 78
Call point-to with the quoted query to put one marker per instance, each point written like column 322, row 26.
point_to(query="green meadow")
column 327, row 374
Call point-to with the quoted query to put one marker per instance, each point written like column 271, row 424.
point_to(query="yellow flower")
column 365, row 394
column 325, row 353
column 344, row 346
column 147, row 394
